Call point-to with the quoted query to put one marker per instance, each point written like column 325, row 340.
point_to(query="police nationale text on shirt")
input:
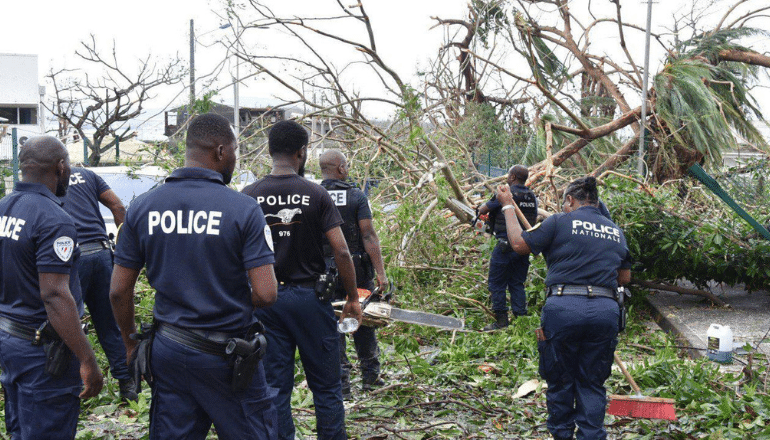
column 580, row 227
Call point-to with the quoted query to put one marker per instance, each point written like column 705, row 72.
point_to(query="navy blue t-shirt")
column 523, row 197
column 353, row 206
column 82, row 203
column 36, row 236
column 299, row 213
column 198, row 239
column 581, row 247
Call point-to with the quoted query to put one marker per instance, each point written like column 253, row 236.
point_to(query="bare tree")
column 535, row 64
column 104, row 102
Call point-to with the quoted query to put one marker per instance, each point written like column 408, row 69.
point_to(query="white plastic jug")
column 720, row 343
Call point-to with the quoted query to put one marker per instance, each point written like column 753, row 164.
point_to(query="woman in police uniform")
column 587, row 260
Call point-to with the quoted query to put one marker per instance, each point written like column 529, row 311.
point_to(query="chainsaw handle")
column 375, row 293
column 627, row 374
column 387, row 296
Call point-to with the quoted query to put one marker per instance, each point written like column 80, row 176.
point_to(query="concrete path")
column 689, row 317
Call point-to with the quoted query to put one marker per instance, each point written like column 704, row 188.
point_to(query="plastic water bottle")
column 347, row 325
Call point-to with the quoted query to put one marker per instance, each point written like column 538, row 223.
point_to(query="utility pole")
column 236, row 106
column 640, row 163
column 192, row 68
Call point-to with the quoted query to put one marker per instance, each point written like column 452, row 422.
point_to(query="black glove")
column 139, row 363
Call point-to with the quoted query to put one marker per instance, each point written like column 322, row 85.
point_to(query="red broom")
column 639, row 406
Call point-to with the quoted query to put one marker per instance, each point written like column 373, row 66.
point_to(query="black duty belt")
column 93, row 247
column 211, row 342
column 306, row 284
column 21, row 331
column 574, row 289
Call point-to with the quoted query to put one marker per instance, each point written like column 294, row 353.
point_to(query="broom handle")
column 627, row 374
column 521, row 217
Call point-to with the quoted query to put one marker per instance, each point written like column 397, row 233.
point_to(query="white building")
column 20, row 97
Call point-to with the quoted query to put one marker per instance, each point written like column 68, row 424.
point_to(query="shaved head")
column 41, row 153
column 331, row 159
column 519, row 173
column 334, row 165
column 44, row 159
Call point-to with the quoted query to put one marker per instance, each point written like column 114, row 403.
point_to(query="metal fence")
column 9, row 161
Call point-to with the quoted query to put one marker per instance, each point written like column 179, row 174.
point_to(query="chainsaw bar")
column 386, row 311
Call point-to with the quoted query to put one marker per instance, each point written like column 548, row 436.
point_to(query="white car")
column 128, row 183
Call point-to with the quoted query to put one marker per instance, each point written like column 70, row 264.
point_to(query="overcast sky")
column 161, row 28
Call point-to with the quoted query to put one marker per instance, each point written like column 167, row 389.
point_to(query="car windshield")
column 127, row 188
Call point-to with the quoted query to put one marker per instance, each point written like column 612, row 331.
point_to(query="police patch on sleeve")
column 269, row 238
column 63, row 246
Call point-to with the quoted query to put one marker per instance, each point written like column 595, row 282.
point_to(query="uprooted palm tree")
column 700, row 101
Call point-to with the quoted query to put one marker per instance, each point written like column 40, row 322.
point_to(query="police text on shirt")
column 10, row 227
column 580, row 227
column 76, row 178
column 291, row 199
column 181, row 222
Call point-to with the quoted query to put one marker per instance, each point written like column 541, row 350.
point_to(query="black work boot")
column 127, row 389
column 369, row 384
column 502, row 322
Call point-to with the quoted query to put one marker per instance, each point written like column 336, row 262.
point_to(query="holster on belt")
column 139, row 363
column 623, row 296
column 57, row 354
column 245, row 354
column 505, row 246
column 326, row 284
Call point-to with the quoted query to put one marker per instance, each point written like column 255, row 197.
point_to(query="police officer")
column 300, row 213
column 507, row 269
column 364, row 246
column 587, row 260
column 86, row 190
column 208, row 255
column 39, row 285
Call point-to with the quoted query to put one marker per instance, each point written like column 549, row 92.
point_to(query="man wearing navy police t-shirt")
column 507, row 269
column 86, row 190
column 208, row 255
column 300, row 213
column 39, row 285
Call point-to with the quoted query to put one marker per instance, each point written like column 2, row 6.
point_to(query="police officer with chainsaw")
column 364, row 246
column 40, row 302
column 507, row 269
column 300, row 213
column 587, row 260
column 208, row 255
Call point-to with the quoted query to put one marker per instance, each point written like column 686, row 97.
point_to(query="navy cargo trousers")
column 365, row 340
column 507, row 273
column 300, row 321
column 575, row 360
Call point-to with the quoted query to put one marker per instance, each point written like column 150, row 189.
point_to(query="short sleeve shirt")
column 198, row 238
column 353, row 206
column 581, row 247
column 36, row 236
column 82, row 203
column 299, row 213
column 523, row 197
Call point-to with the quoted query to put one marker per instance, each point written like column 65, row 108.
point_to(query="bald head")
column 44, row 159
column 333, row 165
column 518, row 174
